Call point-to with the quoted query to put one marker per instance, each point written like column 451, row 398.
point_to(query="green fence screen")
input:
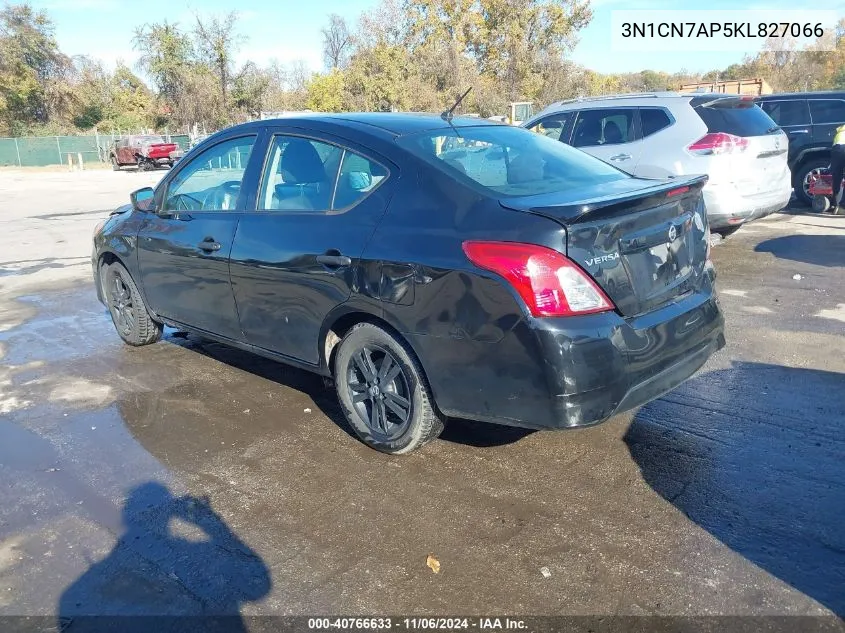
column 39, row 151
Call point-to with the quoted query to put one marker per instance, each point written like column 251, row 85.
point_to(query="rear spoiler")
column 719, row 100
column 571, row 211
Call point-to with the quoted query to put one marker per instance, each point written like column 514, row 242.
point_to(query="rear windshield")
column 509, row 161
column 736, row 117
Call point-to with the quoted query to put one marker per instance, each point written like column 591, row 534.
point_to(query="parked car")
column 432, row 268
column 146, row 151
column 657, row 135
column 810, row 119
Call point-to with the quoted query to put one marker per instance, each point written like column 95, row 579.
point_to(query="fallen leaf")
column 433, row 563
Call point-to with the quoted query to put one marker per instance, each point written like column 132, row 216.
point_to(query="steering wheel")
column 223, row 196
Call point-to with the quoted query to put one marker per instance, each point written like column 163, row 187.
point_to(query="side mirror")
column 142, row 199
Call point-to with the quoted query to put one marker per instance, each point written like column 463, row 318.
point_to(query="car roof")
column 392, row 123
column 821, row 94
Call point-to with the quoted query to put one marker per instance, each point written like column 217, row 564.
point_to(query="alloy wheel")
column 121, row 305
column 380, row 392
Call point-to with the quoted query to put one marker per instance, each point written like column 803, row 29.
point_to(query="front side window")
column 509, row 161
column 309, row 175
column 212, row 180
column 552, row 126
column 612, row 126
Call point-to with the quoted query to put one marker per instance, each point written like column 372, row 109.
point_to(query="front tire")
column 383, row 392
column 128, row 311
column 114, row 164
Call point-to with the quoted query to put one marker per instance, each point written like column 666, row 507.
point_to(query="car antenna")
column 448, row 114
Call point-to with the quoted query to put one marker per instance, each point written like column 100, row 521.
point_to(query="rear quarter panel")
column 462, row 322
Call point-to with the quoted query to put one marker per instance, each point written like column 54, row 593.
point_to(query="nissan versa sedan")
column 433, row 267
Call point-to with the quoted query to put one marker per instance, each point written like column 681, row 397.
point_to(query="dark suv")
column 810, row 119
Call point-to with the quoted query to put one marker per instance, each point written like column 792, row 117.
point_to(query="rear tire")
column 802, row 175
column 114, row 164
column 128, row 311
column 383, row 391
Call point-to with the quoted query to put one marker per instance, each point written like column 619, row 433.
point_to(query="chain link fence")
column 40, row 151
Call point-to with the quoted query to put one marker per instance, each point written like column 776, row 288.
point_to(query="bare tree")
column 337, row 42
column 298, row 76
column 217, row 42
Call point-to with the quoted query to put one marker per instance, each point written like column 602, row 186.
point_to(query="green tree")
column 325, row 92
column 217, row 41
column 32, row 69
column 250, row 88
column 166, row 55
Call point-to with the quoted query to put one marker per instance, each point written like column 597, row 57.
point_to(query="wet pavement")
column 188, row 477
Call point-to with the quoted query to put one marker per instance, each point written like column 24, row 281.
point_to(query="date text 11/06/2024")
column 762, row 30
column 417, row 624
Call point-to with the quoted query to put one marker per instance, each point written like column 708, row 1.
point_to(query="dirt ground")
column 190, row 478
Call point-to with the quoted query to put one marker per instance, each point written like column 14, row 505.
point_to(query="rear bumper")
column 578, row 371
column 727, row 207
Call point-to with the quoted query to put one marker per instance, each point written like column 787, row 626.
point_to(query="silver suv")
column 658, row 135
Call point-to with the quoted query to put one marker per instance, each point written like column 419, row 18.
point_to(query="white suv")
column 659, row 135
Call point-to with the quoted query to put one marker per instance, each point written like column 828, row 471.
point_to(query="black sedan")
column 434, row 267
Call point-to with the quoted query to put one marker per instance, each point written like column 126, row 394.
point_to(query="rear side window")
column 653, row 120
column 552, row 126
column 314, row 176
column 732, row 116
column 509, row 161
column 827, row 111
column 786, row 113
column 612, row 126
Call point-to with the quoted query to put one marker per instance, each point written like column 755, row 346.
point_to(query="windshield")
column 509, row 161
column 151, row 139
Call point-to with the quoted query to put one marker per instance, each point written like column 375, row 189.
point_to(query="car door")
column 826, row 115
column 610, row 134
column 183, row 248
column 296, row 256
column 124, row 152
column 793, row 115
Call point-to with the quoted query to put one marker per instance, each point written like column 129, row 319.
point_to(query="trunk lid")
column 643, row 241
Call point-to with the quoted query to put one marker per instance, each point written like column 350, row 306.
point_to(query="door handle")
column 209, row 245
column 334, row 261
column 621, row 157
column 798, row 132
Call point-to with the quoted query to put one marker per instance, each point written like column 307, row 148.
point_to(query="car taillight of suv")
column 718, row 143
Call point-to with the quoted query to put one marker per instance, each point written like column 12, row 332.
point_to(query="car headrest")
column 612, row 133
column 301, row 163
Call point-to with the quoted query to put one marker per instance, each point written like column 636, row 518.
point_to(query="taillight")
column 718, row 143
column 550, row 283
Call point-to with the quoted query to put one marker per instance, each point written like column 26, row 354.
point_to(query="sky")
column 289, row 30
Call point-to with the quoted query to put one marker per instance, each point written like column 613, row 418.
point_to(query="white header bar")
column 709, row 31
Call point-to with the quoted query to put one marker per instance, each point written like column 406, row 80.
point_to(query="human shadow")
column 819, row 250
column 755, row 455
column 176, row 567
column 457, row 431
